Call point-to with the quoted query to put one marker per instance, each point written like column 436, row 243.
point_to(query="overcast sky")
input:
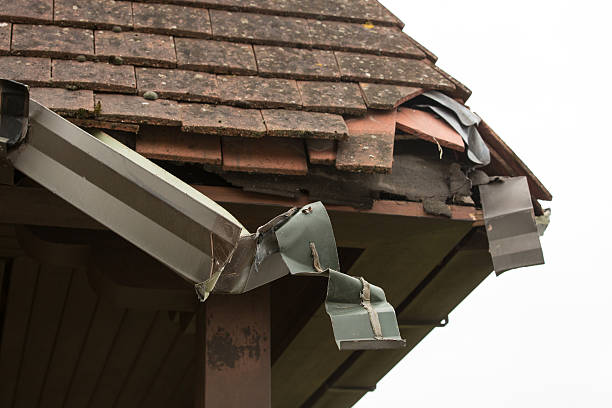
column 540, row 336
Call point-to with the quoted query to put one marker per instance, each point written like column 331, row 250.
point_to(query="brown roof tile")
column 266, row 155
column 5, row 38
column 27, row 11
column 336, row 97
column 64, row 101
column 99, row 76
column 259, row 28
column 93, row 13
column 286, row 123
column 387, row 97
column 170, row 143
column 215, row 56
column 341, row 36
column 134, row 109
column 321, row 151
column 137, row 48
column 32, row 71
column 102, row 124
column 342, row 10
column 374, row 68
column 221, row 119
column 369, row 147
column 296, row 63
column 375, row 122
column 172, row 19
column 257, row 92
column 52, row 41
column 178, row 84
column 349, row 10
column 427, row 127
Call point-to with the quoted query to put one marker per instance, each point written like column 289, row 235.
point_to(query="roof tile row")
column 195, row 118
column 223, row 57
column 184, row 147
column 252, row 28
column 361, row 11
column 244, row 91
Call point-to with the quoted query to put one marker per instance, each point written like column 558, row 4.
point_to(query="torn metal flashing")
column 510, row 224
column 460, row 118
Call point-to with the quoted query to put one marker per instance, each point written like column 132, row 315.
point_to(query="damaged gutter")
column 182, row 228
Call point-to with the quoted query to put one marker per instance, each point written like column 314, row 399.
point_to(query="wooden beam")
column 38, row 206
column 233, row 367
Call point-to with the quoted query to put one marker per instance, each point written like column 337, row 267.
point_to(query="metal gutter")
column 184, row 229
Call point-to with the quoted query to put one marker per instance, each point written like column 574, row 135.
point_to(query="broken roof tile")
column 222, row 120
column 259, row 28
column 257, row 92
column 134, row 109
column 170, row 143
column 296, row 63
column 386, row 96
column 266, row 155
column 369, row 147
column 366, row 153
column 375, row 122
column 381, row 40
column 99, row 76
column 427, row 127
column 172, row 19
column 27, row 11
column 178, row 84
column 137, row 48
column 321, row 151
column 65, row 102
column 32, row 71
column 287, row 123
column 93, row 13
column 401, row 71
column 215, row 56
column 52, row 41
column 5, row 38
column 334, row 97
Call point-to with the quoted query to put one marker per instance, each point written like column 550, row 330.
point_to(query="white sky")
column 540, row 336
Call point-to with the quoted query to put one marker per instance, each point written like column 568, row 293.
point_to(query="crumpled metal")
column 514, row 241
column 461, row 119
column 301, row 242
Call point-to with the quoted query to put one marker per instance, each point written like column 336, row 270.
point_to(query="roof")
column 240, row 83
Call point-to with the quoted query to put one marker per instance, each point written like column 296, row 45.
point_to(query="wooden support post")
column 233, row 351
